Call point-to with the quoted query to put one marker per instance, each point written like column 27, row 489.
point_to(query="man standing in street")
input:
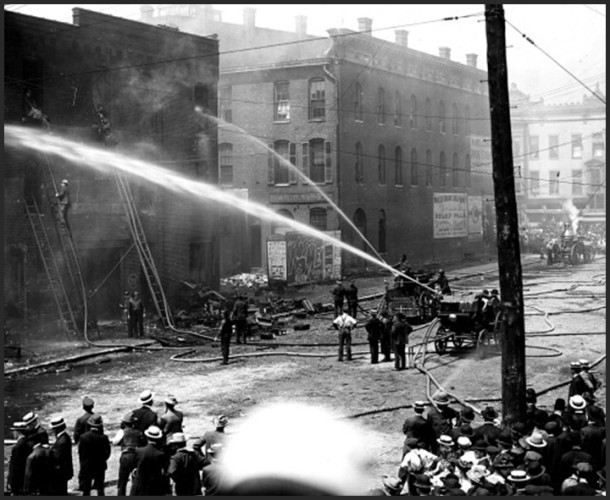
column 344, row 323
column 125, row 307
column 61, row 453
column 145, row 416
column 351, row 294
column 171, row 420
column 374, row 329
column 240, row 318
column 417, row 427
column 400, row 338
column 136, row 315
column 38, row 479
column 184, row 466
column 81, row 426
column 36, row 433
column 151, row 466
column 386, row 336
column 218, row 435
column 19, row 455
column 226, row 329
column 128, row 439
column 442, row 417
column 94, row 451
column 338, row 293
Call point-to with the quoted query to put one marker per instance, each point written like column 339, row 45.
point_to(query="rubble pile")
column 246, row 280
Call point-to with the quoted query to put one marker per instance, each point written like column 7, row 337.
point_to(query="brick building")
column 148, row 79
column 561, row 149
column 397, row 138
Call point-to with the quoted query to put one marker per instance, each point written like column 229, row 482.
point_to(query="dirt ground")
column 206, row 389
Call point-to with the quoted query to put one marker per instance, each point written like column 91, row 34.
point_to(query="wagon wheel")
column 440, row 344
column 483, row 343
column 457, row 341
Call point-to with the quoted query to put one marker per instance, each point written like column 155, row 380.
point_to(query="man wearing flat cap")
column 19, row 455
column 61, row 452
column 128, row 439
column 184, row 467
column 171, row 420
column 145, row 416
column 93, row 452
column 152, row 464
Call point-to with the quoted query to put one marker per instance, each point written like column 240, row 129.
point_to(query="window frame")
column 314, row 102
column 381, row 114
column 398, row 173
column 225, row 152
column 381, row 165
column 279, row 99
column 414, row 167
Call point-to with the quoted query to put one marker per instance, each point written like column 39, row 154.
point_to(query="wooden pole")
column 509, row 256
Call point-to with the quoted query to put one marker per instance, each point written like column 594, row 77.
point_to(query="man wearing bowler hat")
column 93, row 451
column 152, row 463
column 61, row 453
column 145, row 416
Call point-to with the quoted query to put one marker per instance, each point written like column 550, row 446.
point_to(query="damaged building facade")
column 146, row 81
column 397, row 138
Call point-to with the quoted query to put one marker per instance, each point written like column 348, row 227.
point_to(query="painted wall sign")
column 450, row 215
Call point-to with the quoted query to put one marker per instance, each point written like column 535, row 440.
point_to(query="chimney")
column 402, row 37
column 444, row 52
column 146, row 13
column 471, row 60
column 365, row 24
column 301, row 25
column 249, row 16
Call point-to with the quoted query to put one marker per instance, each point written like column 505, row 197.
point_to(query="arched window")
column 455, row 171
column 360, row 223
column 381, row 164
column 358, row 105
column 414, row 168
column 359, row 166
column 413, row 112
column 442, row 170
column 397, row 110
column 456, row 120
column 467, row 121
column 428, row 114
column 225, row 161
column 441, row 117
column 429, row 169
column 201, row 96
column 467, row 168
column 382, row 232
column 317, row 219
column 398, row 166
column 380, row 106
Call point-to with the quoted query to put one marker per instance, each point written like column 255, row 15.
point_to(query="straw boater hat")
column 536, row 440
column 578, row 403
column 30, row 419
column 419, row 406
column 19, row 427
column 445, row 440
column 146, row 396
column 518, row 476
column 575, row 365
column 464, row 442
column 65, row 181
column 57, row 422
column 177, row 438
column 153, row 432
column 584, row 363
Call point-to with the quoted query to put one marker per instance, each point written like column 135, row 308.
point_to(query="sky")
column 571, row 35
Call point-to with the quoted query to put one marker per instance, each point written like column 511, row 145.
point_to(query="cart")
column 415, row 302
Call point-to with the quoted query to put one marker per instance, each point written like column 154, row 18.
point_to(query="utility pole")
column 509, row 255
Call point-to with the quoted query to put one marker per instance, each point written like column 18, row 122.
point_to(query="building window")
column 318, row 219
column 398, row 166
column 381, row 106
column 456, row 121
column 534, row 147
column 577, row 182
column 441, row 117
column 201, row 96
column 534, row 182
column 576, row 146
column 516, row 147
column 596, row 179
column 414, row 168
column 317, row 99
column 599, row 148
column 428, row 115
column 413, row 112
column 467, row 170
column 467, row 121
column 553, row 182
column 226, row 103
column 359, row 170
column 442, row 171
column 225, row 161
column 280, row 163
column 381, row 164
column 455, row 171
column 358, row 105
column 429, row 169
column 281, row 102
column 382, row 232
column 553, row 147
column 360, row 223
column 599, row 201
column 397, row 110
column 317, row 160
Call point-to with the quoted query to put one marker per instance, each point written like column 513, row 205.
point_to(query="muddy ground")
column 206, row 389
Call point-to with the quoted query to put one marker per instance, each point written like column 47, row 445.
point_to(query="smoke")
column 573, row 214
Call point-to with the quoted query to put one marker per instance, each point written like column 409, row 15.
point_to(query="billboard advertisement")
column 450, row 215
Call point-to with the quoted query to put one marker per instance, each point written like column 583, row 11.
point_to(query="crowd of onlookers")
column 446, row 451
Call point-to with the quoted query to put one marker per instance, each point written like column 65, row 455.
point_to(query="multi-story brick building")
column 561, row 152
column 149, row 80
column 398, row 139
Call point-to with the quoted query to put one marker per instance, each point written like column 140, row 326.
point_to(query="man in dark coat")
column 136, row 315
column 226, row 330
column 151, row 466
column 442, row 419
column 211, row 475
column 338, row 293
column 386, row 336
column 38, row 479
column 184, row 467
column 128, row 439
column 400, row 338
column 36, row 433
column 417, row 427
column 240, row 318
column 572, row 457
column 19, row 455
column 577, row 385
column 210, row 438
column 488, row 431
column 171, row 420
column 81, row 426
column 351, row 295
column 374, row 329
column 61, row 453
column 593, row 435
column 145, row 416
column 94, row 452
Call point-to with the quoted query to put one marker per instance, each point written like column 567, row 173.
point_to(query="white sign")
column 450, row 215
column 276, row 260
column 475, row 215
column 480, row 155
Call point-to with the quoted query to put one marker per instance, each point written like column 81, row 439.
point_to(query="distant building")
column 398, row 139
column 560, row 157
column 148, row 84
